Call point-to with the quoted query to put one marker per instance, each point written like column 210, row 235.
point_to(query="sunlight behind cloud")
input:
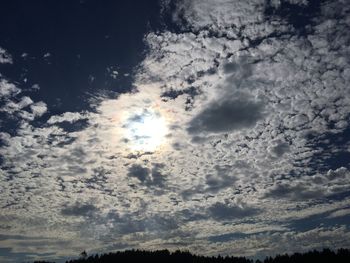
column 145, row 130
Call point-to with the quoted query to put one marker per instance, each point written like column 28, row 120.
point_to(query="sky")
column 214, row 126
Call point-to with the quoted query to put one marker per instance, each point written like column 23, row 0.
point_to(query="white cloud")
column 7, row 89
column 5, row 57
column 241, row 96
column 67, row 116
column 35, row 87
column 38, row 108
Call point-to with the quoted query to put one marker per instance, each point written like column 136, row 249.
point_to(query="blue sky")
column 219, row 127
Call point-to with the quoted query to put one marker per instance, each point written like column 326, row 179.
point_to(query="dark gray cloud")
column 227, row 115
column 188, row 215
column 140, row 172
column 141, row 222
column 239, row 70
column 150, row 177
column 294, row 192
column 222, row 179
column 79, row 210
column 220, row 211
column 280, row 149
column 158, row 177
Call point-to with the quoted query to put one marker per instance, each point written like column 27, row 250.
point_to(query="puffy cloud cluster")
column 5, row 57
column 13, row 105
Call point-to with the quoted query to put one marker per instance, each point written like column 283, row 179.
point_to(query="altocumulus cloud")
column 251, row 98
column 226, row 116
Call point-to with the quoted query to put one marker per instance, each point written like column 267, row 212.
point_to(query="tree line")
column 326, row 255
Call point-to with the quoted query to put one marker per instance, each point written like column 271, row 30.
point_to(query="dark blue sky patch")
column 69, row 47
column 333, row 151
column 227, row 237
column 318, row 220
column 339, row 196
column 11, row 125
column 21, row 256
column 300, row 16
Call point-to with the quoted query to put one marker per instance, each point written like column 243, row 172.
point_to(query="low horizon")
column 324, row 255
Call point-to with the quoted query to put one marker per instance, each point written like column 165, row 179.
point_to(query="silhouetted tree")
column 324, row 256
column 83, row 254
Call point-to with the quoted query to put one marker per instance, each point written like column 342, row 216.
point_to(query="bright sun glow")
column 145, row 130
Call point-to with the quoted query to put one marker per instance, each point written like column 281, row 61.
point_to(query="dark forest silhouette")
column 326, row 255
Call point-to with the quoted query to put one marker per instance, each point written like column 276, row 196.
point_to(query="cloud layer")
column 257, row 109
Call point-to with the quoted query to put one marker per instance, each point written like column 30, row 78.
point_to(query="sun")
column 145, row 130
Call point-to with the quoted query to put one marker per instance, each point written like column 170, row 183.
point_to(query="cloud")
column 250, row 102
column 12, row 106
column 79, row 210
column 295, row 192
column 313, row 187
column 220, row 211
column 280, row 149
column 339, row 213
column 140, row 172
column 227, row 116
column 7, row 89
column 66, row 117
column 5, row 57
column 38, row 108
column 150, row 177
column 16, row 107
column 223, row 178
